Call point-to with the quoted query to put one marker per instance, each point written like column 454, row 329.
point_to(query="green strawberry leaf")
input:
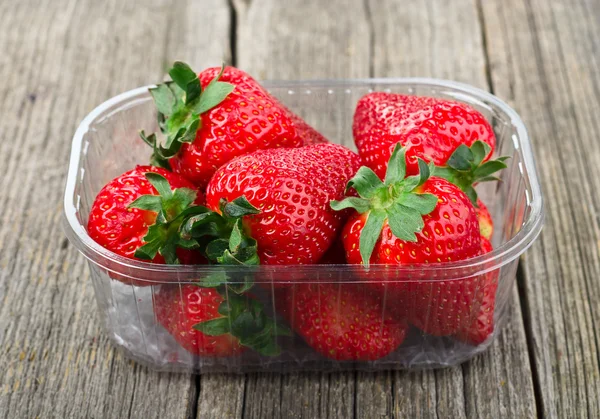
column 361, row 205
column 237, row 208
column 172, row 207
column 216, row 248
column 472, row 194
column 461, row 159
column 489, row 179
column 186, row 79
column 164, row 98
column 245, row 318
column 160, row 183
column 365, row 182
column 212, row 96
column 180, row 104
column 370, row 234
column 480, row 150
column 466, row 167
column 214, row 327
column 404, row 222
column 487, row 168
column 397, row 201
column 422, row 203
column 223, row 236
column 396, row 170
column 237, row 238
column 153, row 244
column 213, row 280
column 148, row 203
column 157, row 158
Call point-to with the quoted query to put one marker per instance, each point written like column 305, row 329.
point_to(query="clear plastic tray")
column 107, row 144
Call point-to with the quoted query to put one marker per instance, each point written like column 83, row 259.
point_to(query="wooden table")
column 58, row 59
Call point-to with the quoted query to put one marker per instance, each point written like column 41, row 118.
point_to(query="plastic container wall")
column 107, row 144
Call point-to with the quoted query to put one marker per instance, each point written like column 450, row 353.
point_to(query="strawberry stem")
column 172, row 208
column 180, row 103
column 396, row 200
column 222, row 236
column 245, row 318
column 466, row 167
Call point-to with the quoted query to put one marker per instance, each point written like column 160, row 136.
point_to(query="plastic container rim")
column 501, row 255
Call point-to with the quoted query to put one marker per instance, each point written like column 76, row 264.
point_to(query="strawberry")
column 486, row 224
column 207, row 324
column 291, row 190
column 210, row 118
column 482, row 325
column 305, row 132
column 409, row 221
column 131, row 213
column 429, row 128
column 342, row 321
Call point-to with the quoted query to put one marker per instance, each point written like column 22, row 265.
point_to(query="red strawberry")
column 482, row 326
column 179, row 309
column 429, row 128
column 216, row 116
column 291, row 188
column 307, row 134
column 124, row 214
column 408, row 221
column 486, row 224
column 342, row 321
column 207, row 324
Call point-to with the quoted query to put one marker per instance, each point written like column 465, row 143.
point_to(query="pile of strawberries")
column 236, row 178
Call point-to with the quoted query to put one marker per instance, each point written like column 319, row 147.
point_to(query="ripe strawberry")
column 408, row 221
column 179, row 310
column 342, row 321
column 307, row 134
column 482, row 325
column 123, row 217
column 220, row 114
column 429, row 128
column 291, row 188
column 207, row 324
column 486, row 224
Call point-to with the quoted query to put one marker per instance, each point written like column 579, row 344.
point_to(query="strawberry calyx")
column 397, row 200
column 466, row 167
column 221, row 234
column 180, row 103
column 172, row 207
column 245, row 319
column 224, row 241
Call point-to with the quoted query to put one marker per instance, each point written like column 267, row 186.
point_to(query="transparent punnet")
column 107, row 144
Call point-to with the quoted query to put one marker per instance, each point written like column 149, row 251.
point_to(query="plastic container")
column 107, row 144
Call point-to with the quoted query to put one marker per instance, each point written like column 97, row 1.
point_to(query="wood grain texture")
column 545, row 61
column 303, row 39
column 59, row 60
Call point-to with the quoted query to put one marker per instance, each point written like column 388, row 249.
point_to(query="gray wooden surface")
column 58, row 59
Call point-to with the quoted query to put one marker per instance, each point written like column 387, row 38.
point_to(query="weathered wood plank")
column 544, row 59
column 444, row 40
column 300, row 40
column 221, row 396
column 303, row 39
column 60, row 59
